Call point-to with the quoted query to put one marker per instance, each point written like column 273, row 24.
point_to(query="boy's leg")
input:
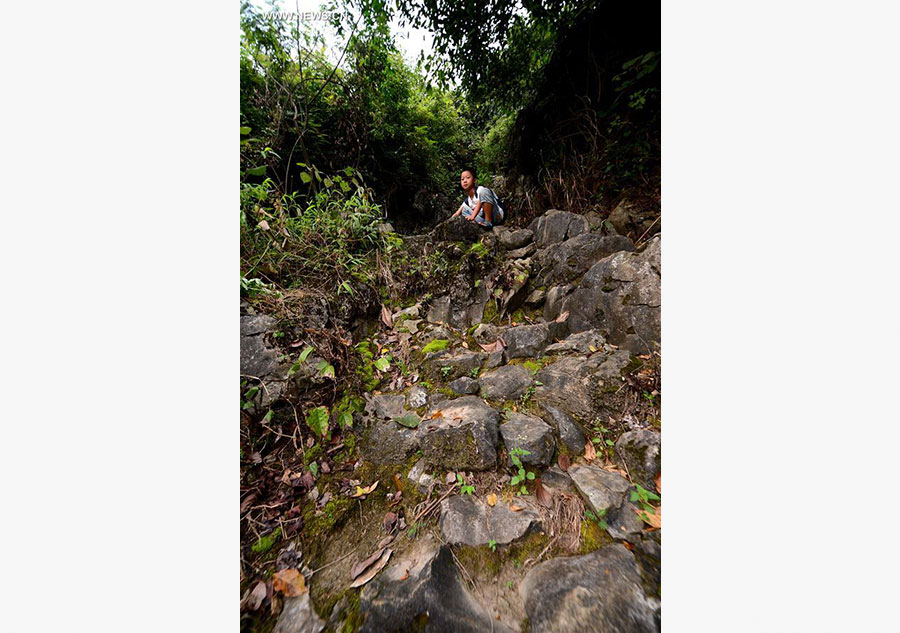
column 488, row 212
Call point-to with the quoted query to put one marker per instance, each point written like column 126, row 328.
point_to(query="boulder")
column 485, row 333
column 557, row 226
column 570, row 433
column 522, row 253
column 464, row 385
column 554, row 300
column 421, row 590
column 416, row 397
column 530, row 434
column 535, row 298
column 581, row 342
column 439, row 310
column 555, row 479
column 600, row 591
column 385, row 406
column 506, row 383
column 626, row 218
column 458, row 229
column 620, row 295
column 463, row 437
column 566, row 384
column 387, row 442
column 460, row 363
column 569, row 260
column 526, row 340
column 419, row 475
column 298, row 616
column 640, row 449
column 624, row 524
column 467, row 520
column 603, row 491
column 516, row 238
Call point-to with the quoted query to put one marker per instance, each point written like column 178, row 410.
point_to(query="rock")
column 522, row 253
column 418, row 474
column 603, row 491
column 582, row 342
column 569, row 260
column 386, row 442
column 627, row 219
column 640, row 449
column 556, row 480
column 485, row 333
column 467, row 520
column 531, row 434
column 385, row 406
column 495, row 359
column 526, row 340
column 624, row 523
column 438, row 332
column 461, row 364
column 464, row 386
column 566, row 385
column 554, row 300
column 620, row 295
column 458, row 229
column 600, row 591
column 505, row 383
column 569, row 432
column 421, row 590
column 557, row 226
column 464, row 437
column 257, row 324
column 439, row 310
column 298, row 616
column 536, row 298
column 517, row 238
column 416, row 397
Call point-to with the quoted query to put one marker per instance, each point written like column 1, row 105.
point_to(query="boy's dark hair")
column 471, row 170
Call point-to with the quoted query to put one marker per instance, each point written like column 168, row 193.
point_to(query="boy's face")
column 466, row 179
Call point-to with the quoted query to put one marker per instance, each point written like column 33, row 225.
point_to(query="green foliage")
column 599, row 520
column 643, row 497
column 437, row 345
column 493, row 545
column 522, row 475
column 317, row 421
column 445, row 371
column 265, row 543
column 383, row 363
column 463, row 487
column 300, row 360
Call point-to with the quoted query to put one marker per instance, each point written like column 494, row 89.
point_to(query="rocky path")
column 517, row 447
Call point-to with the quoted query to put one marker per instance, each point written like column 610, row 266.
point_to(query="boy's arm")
column 475, row 211
column 458, row 211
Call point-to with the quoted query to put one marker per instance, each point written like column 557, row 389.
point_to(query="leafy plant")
column 300, row 360
column 383, row 363
column 463, row 487
column 599, row 520
column 643, row 497
column 493, row 545
column 445, row 371
column 522, row 475
column 317, row 421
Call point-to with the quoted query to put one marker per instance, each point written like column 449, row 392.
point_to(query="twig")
column 334, row 562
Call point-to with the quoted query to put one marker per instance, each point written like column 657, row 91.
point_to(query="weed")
column 493, row 545
column 643, row 497
column 590, row 516
column 445, row 371
column 463, row 487
column 522, row 475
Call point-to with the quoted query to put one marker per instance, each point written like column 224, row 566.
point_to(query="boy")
column 481, row 204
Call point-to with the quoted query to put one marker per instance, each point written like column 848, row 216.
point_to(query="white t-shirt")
column 484, row 194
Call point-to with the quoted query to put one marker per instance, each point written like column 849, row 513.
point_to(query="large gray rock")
column 582, row 343
column 569, row 260
column 298, row 616
column 416, row 397
column 517, row 238
column 531, row 434
column 570, row 433
column 485, row 333
column 420, row 590
column 464, row 385
column 385, row 406
column 566, row 384
column 506, row 383
column 522, row 253
column 600, row 592
column 641, row 451
column 386, row 442
column 467, row 520
column 463, row 437
column 458, row 229
column 461, row 363
column 557, row 226
column 528, row 341
column 439, row 310
column 628, row 219
column 620, row 295
column 603, row 491
column 554, row 300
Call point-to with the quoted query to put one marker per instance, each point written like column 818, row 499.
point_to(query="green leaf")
column 345, row 419
column 268, row 416
column 304, row 354
column 325, row 369
column 314, row 469
column 317, row 421
column 382, row 364
column 252, row 391
column 265, row 543
column 530, row 476
column 328, row 182
column 245, row 129
column 305, row 177
column 514, row 480
column 257, row 171
column 410, row 420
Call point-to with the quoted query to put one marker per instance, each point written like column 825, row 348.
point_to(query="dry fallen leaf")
column 492, row 499
column 263, row 225
column 290, row 582
column 362, row 492
column 590, row 454
column 490, row 348
column 373, row 570
column 437, row 414
column 515, row 508
column 564, row 462
column 653, row 519
column 658, row 482
column 256, row 597
column 386, row 317
column 543, row 497
column 562, row 317
column 466, row 345
column 363, row 565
